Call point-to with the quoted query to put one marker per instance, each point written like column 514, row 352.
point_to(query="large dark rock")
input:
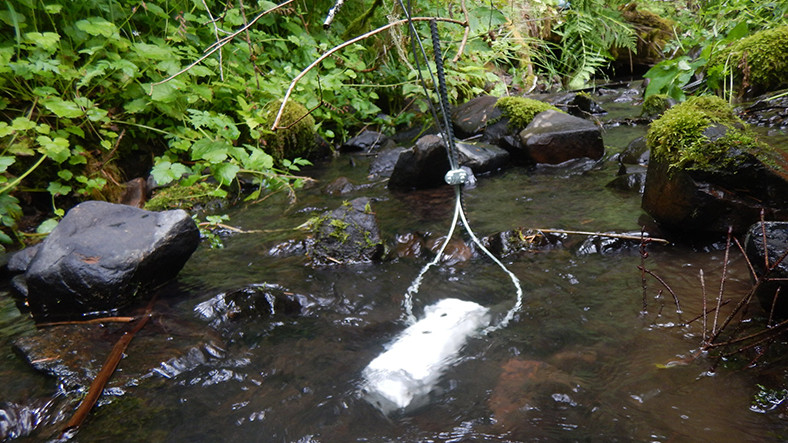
column 422, row 166
column 776, row 234
column 692, row 201
column 554, row 137
column 473, row 116
column 367, row 141
column 481, row 157
column 104, row 256
column 346, row 235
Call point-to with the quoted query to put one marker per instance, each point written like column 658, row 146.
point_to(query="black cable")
column 443, row 95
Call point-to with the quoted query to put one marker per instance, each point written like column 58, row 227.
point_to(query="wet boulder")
column 367, row 141
column 632, row 161
column 422, row 166
column 103, row 257
column 776, row 245
column 383, row 163
column 554, row 137
column 715, row 175
column 481, row 157
column 520, row 241
column 349, row 234
column 473, row 116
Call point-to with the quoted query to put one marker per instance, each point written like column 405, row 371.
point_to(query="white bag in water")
column 402, row 376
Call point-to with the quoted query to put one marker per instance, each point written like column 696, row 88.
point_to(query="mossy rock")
column 656, row 104
column 521, row 111
column 182, row 197
column 296, row 136
column 653, row 33
column 759, row 62
column 703, row 134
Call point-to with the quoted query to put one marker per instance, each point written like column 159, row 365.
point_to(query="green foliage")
column 655, row 104
column 589, row 30
column 520, row 110
column 678, row 136
column 758, row 61
column 715, row 31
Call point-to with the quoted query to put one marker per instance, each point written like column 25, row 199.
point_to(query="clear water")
column 579, row 363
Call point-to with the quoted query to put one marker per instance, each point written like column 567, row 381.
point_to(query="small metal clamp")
column 456, row 177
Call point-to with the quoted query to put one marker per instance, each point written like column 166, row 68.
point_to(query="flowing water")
column 582, row 361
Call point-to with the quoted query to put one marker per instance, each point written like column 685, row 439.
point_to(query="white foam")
column 402, row 377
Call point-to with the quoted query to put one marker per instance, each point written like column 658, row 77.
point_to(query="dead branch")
column 722, row 280
column 464, row 35
column 659, row 279
column 354, row 40
column 88, row 322
column 604, row 234
column 107, row 369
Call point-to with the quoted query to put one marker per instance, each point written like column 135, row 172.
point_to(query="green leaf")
column 209, row 150
column 65, row 174
column 153, row 52
column 5, row 162
column 63, row 108
column 225, row 172
column 165, row 172
column 56, row 149
column 53, row 9
column 48, row 41
column 5, row 129
column 57, row 188
column 258, row 160
column 47, row 226
column 97, row 26
column 22, row 124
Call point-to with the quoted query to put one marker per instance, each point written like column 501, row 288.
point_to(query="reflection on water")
column 580, row 362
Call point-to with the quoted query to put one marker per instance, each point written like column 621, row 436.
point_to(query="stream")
column 582, row 361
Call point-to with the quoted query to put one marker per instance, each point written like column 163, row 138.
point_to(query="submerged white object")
column 403, row 376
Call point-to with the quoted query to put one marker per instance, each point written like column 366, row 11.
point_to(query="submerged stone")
column 422, row 166
column 349, row 234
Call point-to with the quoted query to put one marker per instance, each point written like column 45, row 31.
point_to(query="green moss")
column 677, row 137
column 296, row 136
column 520, row 110
column 340, row 232
column 655, row 104
column 181, row 197
column 758, row 61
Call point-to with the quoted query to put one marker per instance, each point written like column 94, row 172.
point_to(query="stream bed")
column 582, row 360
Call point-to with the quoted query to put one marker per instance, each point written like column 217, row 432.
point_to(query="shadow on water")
column 580, row 362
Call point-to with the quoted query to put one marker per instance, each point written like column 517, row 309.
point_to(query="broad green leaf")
column 56, row 149
column 65, row 174
column 153, row 52
column 97, row 26
column 47, row 226
column 22, row 124
column 209, row 150
column 48, row 41
column 63, row 108
column 53, row 9
column 225, row 172
column 57, row 188
column 5, row 162
column 136, row 105
column 258, row 160
column 5, row 129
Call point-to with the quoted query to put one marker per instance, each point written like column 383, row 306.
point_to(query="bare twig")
column 774, row 304
column 604, row 234
column 643, row 257
column 659, row 279
column 331, row 51
column 722, row 280
column 88, row 322
column 216, row 34
column 219, row 44
column 252, row 57
column 703, row 292
column 465, row 35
